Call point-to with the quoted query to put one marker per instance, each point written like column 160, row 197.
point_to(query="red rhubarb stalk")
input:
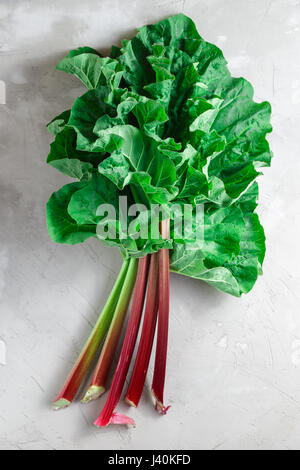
column 84, row 361
column 97, row 387
column 146, row 342
column 158, row 383
column 107, row 415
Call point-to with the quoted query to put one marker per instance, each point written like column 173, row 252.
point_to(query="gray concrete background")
column 234, row 365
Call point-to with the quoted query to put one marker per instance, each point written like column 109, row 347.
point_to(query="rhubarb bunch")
column 163, row 124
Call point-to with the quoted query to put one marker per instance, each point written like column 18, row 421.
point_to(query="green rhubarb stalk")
column 92, row 345
column 97, row 387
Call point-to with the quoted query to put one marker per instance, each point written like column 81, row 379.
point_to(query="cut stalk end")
column 93, row 393
column 130, row 402
column 159, row 406
column 116, row 418
column 60, row 404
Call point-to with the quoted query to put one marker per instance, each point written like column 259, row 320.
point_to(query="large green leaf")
column 148, row 168
column 248, row 264
column 232, row 251
column 85, row 202
column 59, row 123
column 85, row 113
column 65, row 157
column 92, row 70
column 164, row 122
column 62, row 228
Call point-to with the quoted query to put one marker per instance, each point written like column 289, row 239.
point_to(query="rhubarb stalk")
column 84, row 361
column 97, row 387
column 158, row 383
column 107, row 415
column 146, row 342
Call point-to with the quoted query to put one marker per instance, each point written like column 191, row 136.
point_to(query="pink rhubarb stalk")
column 97, row 387
column 85, row 359
column 146, row 342
column 107, row 415
column 158, row 383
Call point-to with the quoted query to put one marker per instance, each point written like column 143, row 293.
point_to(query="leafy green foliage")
column 62, row 227
column 164, row 122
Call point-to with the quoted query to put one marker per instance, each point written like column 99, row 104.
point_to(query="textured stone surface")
column 234, row 365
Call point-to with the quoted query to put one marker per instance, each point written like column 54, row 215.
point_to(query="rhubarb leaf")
column 248, row 264
column 62, row 228
column 85, row 113
column 92, row 70
column 84, row 203
column 164, row 122
column 59, row 123
column 65, row 157
column 117, row 169
column 232, row 251
column 82, row 50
